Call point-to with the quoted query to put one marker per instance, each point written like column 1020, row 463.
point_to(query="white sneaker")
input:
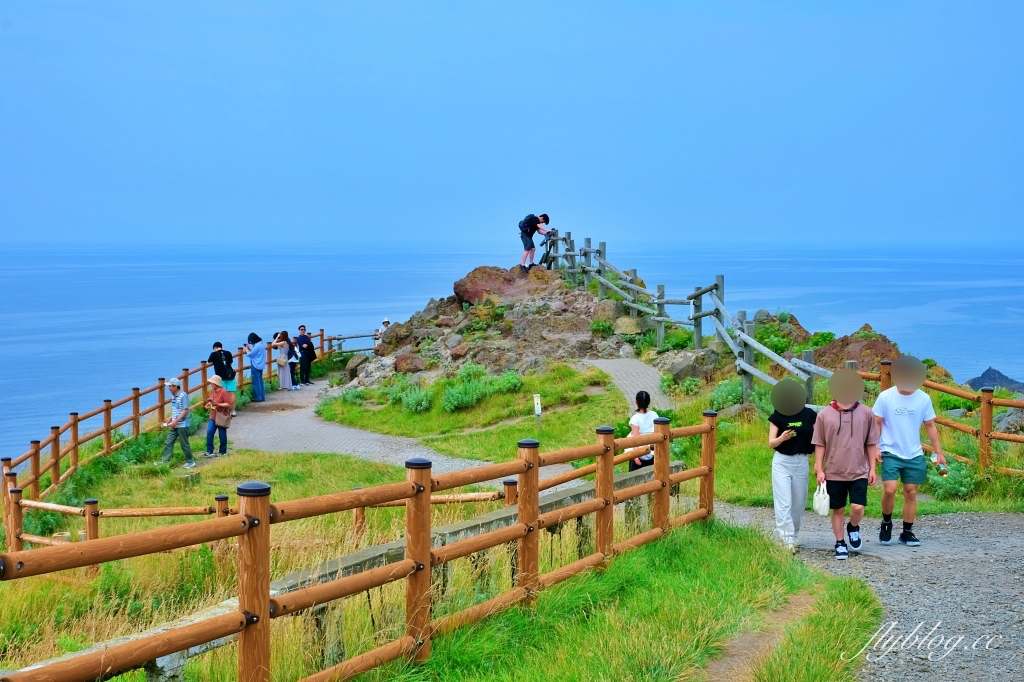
column 189, row 465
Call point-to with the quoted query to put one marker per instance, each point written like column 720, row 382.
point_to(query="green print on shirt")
column 795, row 424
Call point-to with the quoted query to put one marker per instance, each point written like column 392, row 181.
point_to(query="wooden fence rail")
column 251, row 525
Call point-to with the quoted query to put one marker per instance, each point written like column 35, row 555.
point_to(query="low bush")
column 679, row 338
column 692, row 386
column 816, row 340
column 952, row 402
column 353, row 396
column 957, row 484
column 602, row 327
column 726, row 393
column 769, row 334
column 473, row 384
column 866, row 334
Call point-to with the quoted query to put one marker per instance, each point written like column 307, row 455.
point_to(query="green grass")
column 560, row 386
column 656, row 613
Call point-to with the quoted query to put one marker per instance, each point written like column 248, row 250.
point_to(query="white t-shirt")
column 902, row 416
column 645, row 421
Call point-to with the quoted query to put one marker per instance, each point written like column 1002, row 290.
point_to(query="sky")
column 420, row 125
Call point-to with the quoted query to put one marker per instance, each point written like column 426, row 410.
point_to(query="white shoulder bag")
column 821, row 503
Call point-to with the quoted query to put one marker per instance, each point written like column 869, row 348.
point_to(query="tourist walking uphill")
column 790, row 429
column 221, row 406
column 845, row 450
column 307, row 354
column 179, row 424
column 223, row 362
column 900, row 412
column 257, row 356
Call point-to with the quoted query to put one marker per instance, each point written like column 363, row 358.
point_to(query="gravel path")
column 285, row 422
column 967, row 576
column 630, row 376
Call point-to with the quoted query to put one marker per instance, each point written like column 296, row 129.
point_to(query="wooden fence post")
column 529, row 510
column 662, row 472
column 602, row 251
column 221, row 505
column 511, row 491
column 92, row 528
column 321, row 343
column 661, row 313
column 808, row 356
column 5, row 466
column 268, row 372
column 17, row 520
column 604, row 518
column 885, row 375
column 184, row 382
column 254, row 582
column 698, row 322
column 359, row 521
column 707, row 459
column 161, row 412
column 720, row 293
column 746, row 353
column 206, row 380
column 240, row 370
column 985, row 433
column 136, row 421
column 73, row 464
column 33, row 491
column 54, row 455
column 570, row 253
column 634, row 297
column 417, row 548
column 108, row 441
column 587, row 262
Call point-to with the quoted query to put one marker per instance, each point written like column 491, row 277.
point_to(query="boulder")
column 762, row 316
column 688, row 363
column 533, row 363
column 866, row 346
column 608, row 310
column 627, row 351
column 460, row 351
column 958, row 412
column 452, row 340
column 445, row 321
column 1011, row 421
column 425, row 332
column 408, row 363
column 431, row 310
column 627, row 325
column 357, row 361
column 742, row 412
column 505, row 286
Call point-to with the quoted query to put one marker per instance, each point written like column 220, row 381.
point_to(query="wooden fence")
column 251, row 525
column 58, row 455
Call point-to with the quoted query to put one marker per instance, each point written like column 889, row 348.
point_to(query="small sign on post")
column 536, row 409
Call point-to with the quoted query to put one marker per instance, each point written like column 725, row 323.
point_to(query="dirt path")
column 966, row 580
column 630, row 376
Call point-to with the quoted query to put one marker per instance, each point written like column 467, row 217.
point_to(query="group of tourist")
column 294, row 362
column 848, row 440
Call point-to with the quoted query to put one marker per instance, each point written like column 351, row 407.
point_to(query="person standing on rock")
column 641, row 424
column 380, row 332
column 900, row 412
column 257, row 355
column 790, row 429
column 223, row 366
column 845, row 451
column 529, row 226
column 179, row 424
column 307, row 354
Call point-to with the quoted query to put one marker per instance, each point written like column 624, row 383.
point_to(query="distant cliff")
column 994, row 378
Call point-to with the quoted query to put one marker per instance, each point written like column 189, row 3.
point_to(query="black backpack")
column 524, row 223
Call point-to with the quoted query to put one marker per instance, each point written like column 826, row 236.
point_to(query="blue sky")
column 445, row 123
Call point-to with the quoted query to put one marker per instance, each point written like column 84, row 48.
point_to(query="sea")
column 89, row 323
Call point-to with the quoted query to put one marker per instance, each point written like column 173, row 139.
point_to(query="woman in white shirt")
column 641, row 423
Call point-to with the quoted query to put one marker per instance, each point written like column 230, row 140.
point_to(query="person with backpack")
column 529, row 226
column 223, row 366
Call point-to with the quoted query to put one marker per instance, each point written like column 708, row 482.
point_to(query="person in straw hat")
column 221, row 404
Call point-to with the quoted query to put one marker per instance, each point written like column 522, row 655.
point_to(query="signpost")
column 536, row 409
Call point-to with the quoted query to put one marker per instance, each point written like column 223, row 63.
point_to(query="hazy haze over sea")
column 93, row 322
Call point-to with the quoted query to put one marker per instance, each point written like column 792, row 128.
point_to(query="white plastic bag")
column 820, row 503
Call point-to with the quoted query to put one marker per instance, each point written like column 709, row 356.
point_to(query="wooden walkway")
column 631, row 376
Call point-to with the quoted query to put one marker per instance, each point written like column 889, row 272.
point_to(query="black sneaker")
column 854, row 536
column 885, row 534
column 908, row 538
column 522, row 268
column 841, row 552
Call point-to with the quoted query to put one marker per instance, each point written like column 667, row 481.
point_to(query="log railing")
column 60, row 454
column 255, row 514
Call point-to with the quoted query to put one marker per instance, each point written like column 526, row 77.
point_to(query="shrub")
column 958, row 483
column 726, row 393
column 668, row 384
column 769, row 334
column 952, row 402
column 692, row 386
column 415, row 399
column 478, row 326
column 679, row 338
column 473, row 384
column 929, row 362
column 761, row 397
column 784, row 316
column 642, row 342
column 601, row 327
column 353, row 396
column 866, row 334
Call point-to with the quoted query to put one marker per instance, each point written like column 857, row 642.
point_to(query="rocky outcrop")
column 1011, row 421
column 865, row 345
column 500, row 286
column 688, row 363
column 608, row 310
column 357, row 361
column 993, row 378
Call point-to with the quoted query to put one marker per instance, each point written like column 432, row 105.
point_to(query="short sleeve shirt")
column 645, row 422
column 846, row 435
column 801, row 422
column 180, row 403
column 902, row 417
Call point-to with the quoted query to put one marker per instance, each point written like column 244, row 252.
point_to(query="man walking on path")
column 223, row 366
column 179, row 424
column 257, row 354
column 307, row 354
column 529, row 226
column 845, row 450
column 900, row 411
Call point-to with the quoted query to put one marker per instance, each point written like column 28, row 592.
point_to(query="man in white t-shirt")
column 900, row 412
column 379, row 337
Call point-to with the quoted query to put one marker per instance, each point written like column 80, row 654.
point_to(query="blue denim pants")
column 211, row 426
column 258, row 394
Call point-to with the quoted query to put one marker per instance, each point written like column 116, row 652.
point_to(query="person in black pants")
column 307, row 354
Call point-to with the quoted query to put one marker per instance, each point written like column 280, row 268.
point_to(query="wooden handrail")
column 299, row 600
column 58, row 508
column 457, row 479
column 964, row 428
column 477, row 543
column 1003, row 402
column 336, row 502
column 156, row 511
column 952, row 390
column 570, row 454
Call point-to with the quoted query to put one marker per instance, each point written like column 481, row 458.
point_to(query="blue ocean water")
column 87, row 324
